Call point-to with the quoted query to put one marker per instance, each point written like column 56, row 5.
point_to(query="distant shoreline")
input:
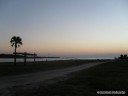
column 21, row 56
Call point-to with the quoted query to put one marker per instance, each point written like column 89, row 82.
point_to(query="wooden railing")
column 25, row 54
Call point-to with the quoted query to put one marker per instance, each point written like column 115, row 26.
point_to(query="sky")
column 65, row 27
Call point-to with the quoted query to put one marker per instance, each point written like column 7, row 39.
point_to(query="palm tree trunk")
column 15, row 57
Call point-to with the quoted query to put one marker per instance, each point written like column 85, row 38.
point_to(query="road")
column 18, row 80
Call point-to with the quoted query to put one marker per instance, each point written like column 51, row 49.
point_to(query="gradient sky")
column 65, row 26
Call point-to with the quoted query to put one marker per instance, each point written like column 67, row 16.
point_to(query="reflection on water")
column 30, row 59
column 50, row 59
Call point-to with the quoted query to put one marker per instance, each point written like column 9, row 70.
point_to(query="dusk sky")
column 65, row 27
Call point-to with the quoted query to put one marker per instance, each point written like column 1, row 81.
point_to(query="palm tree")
column 16, row 41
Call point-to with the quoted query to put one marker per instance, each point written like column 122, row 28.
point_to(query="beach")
column 34, row 79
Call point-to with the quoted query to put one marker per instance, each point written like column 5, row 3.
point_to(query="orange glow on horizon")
column 69, row 48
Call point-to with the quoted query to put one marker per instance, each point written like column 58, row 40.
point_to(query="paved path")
column 17, row 80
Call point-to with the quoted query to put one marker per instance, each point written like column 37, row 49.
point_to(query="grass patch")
column 10, row 69
column 111, row 76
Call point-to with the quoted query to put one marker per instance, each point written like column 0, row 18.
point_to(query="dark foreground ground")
column 111, row 76
column 9, row 68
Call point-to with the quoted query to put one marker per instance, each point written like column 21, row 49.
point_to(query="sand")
column 34, row 79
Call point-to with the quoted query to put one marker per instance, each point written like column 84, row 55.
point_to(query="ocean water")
column 30, row 59
column 46, row 59
column 68, row 57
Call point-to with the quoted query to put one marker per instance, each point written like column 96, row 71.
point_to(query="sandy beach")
column 33, row 79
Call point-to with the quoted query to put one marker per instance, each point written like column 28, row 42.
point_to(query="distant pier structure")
column 25, row 54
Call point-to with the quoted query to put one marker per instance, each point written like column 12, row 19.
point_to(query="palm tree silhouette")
column 16, row 41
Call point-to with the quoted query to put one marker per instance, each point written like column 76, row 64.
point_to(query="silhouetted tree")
column 125, row 56
column 16, row 41
column 121, row 56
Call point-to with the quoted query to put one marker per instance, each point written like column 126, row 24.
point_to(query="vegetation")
column 123, row 56
column 111, row 76
column 16, row 42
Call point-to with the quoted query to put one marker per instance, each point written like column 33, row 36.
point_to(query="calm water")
column 62, row 58
column 37, row 59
